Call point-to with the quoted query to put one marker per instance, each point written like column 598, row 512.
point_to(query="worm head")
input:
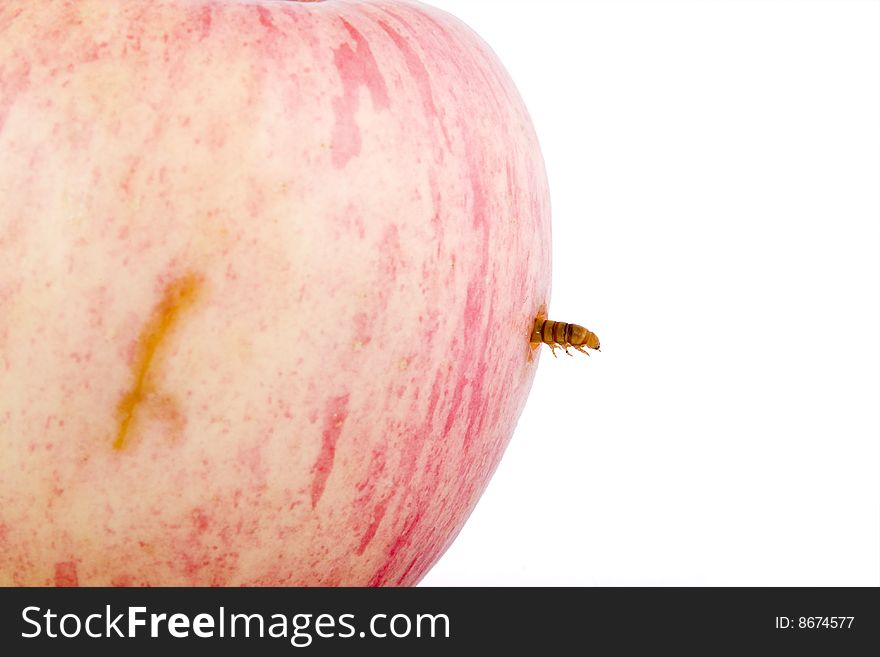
column 584, row 337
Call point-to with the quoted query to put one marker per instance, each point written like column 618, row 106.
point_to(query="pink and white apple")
column 267, row 276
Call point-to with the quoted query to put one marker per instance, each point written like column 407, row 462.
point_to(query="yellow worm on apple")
column 269, row 280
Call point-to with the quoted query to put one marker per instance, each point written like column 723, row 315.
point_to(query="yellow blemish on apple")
column 533, row 344
column 179, row 295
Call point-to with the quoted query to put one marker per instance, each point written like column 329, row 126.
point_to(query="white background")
column 715, row 176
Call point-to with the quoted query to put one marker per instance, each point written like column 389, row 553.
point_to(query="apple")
column 268, row 272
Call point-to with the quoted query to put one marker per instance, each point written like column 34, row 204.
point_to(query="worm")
column 563, row 335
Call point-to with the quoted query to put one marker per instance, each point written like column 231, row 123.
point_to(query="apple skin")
column 267, row 276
